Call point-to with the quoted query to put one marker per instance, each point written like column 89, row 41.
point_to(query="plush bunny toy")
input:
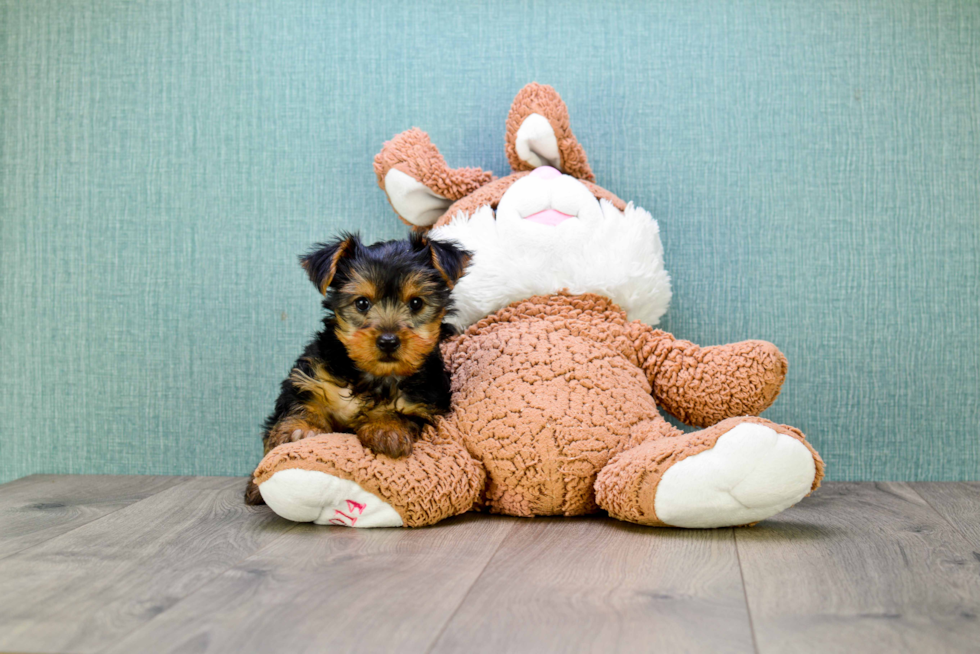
column 557, row 375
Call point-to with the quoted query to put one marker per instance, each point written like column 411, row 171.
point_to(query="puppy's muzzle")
column 388, row 343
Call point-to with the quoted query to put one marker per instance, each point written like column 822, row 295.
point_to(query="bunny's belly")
column 544, row 411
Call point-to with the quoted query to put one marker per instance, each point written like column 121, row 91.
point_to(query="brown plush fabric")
column 413, row 153
column 545, row 391
column 544, row 100
column 549, row 389
column 694, row 383
column 491, row 193
column 487, row 195
column 627, row 487
column 439, row 480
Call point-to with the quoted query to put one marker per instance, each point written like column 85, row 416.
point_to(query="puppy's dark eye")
column 362, row 304
column 416, row 304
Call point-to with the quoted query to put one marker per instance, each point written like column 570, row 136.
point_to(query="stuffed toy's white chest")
column 549, row 233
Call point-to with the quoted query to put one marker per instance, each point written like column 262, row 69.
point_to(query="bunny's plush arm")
column 702, row 386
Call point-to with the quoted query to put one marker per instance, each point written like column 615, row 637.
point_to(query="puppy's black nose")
column 388, row 343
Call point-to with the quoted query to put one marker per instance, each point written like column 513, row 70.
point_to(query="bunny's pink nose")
column 545, row 172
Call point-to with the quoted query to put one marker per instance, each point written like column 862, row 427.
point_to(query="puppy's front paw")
column 299, row 434
column 385, row 437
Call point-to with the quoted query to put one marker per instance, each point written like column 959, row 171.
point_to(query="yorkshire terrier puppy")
column 375, row 368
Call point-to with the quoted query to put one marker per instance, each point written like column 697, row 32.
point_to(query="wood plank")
column 321, row 589
column 959, row 503
column 861, row 567
column 599, row 585
column 37, row 508
column 85, row 589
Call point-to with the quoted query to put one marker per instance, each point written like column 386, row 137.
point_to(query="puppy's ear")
column 322, row 263
column 448, row 259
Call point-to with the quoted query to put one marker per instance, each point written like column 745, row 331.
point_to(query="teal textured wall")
column 813, row 165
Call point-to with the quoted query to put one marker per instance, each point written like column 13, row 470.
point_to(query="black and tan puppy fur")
column 375, row 368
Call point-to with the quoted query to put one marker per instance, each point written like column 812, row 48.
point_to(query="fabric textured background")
column 815, row 168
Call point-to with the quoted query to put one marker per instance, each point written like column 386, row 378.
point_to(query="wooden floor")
column 178, row 564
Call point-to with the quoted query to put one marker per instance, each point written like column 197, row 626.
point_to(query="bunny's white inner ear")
column 536, row 143
column 413, row 200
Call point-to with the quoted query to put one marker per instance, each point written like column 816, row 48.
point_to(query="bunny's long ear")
column 539, row 134
column 418, row 183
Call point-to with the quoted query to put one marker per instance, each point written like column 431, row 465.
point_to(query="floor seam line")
column 745, row 591
column 198, row 588
column 93, row 520
column 966, row 537
column 469, row 590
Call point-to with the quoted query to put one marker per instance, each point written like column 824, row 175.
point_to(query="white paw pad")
column 312, row 496
column 750, row 474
